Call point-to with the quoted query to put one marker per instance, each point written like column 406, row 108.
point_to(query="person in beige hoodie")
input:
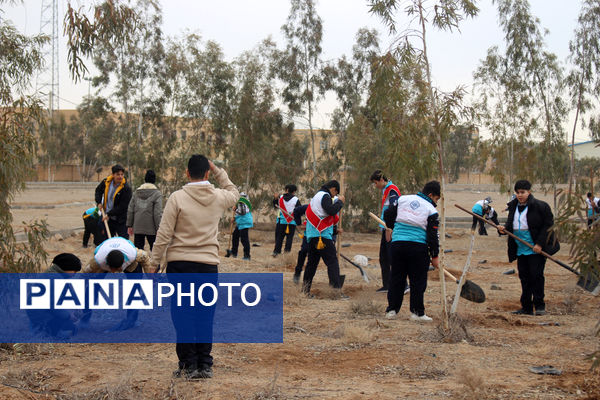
column 187, row 235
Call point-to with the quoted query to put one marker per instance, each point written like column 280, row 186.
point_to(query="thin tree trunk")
column 436, row 129
column 572, row 163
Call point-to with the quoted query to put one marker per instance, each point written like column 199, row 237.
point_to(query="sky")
column 240, row 25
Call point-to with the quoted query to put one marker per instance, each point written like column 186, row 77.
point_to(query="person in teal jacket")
column 243, row 222
column 91, row 218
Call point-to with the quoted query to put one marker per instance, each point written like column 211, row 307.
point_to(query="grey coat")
column 145, row 210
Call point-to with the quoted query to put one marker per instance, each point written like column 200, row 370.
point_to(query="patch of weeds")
column 364, row 306
column 474, row 387
column 32, row 381
column 457, row 330
column 271, row 391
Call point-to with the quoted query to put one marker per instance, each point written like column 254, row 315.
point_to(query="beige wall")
column 586, row 149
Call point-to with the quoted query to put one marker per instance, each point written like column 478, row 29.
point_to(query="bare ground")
column 346, row 349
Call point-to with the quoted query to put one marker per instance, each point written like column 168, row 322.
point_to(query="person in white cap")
column 481, row 208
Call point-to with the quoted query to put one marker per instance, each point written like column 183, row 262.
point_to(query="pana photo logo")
column 132, row 294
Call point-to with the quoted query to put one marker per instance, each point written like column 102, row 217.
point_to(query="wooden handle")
column 106, row 225
column 376, row 218
column 520, row 240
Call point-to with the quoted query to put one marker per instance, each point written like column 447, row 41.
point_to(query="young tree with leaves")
column 300, row 65
column 21, row 116
column 443, row 15
column 584, row 78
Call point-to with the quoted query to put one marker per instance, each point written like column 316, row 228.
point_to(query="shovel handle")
column 105, row 224
column 376, row 218
column 562, row 264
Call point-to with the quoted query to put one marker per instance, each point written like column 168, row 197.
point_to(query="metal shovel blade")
column 472, row 292
column 589, row 282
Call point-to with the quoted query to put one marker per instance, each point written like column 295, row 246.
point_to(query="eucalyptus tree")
column 520, row 95
column 263, row 154
column 583, row 78
column 21, row 116
column 96, row 127
column 301, row 65
column 129, row 67
column 442, row 109
column 350, row 78
column 208, row 90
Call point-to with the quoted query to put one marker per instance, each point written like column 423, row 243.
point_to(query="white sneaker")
column 422, row 318
column 407, row 290
column 391, row 314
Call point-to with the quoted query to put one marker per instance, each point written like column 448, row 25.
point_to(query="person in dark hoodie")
column 286, row 226
column 529, row 219
column 57, row 322
column 322, row 215
column 112, row 197
column 144, row 212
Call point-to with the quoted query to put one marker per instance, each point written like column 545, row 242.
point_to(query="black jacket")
column 121, row 200
column 539, row 219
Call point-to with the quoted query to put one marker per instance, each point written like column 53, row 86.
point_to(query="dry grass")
column 474, row 387
column 356, row 335
column 365, row 306
column 457, row 330
column 271, row 391
column 123, row 390
column 570, row 302
column 29, row 380
column 422, row 371
column 293, row 296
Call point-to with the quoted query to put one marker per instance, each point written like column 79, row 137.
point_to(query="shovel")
column 105, row 224
column 588, row 281
column 469, row 291
column 362, row 271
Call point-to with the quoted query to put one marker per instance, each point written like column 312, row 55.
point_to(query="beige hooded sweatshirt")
column 190, row 221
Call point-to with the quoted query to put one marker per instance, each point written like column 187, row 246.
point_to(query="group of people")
column 127, row 214
column 409, row 240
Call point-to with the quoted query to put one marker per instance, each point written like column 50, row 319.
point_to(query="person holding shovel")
column 413, row 225
column 389, row 195
column 529, row 219
column 286, row 226
column 112, row 197
column 322, row 215
column 481, row 208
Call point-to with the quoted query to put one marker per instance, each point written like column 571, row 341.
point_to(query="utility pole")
column 47, row 82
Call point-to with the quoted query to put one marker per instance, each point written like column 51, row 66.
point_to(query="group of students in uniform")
column 409, row 243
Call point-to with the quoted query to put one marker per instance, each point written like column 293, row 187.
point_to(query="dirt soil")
column 343, row 348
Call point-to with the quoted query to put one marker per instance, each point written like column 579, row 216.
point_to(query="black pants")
column 384, row 260
column 408, row 259
column 482, row 230
column 329, row 258
column 139, row 239
column 280, row 234
column 301, row 256
column 192, row 355
column 91, row 228
column 116, row 229
column 235, row 241
column 531, row 274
